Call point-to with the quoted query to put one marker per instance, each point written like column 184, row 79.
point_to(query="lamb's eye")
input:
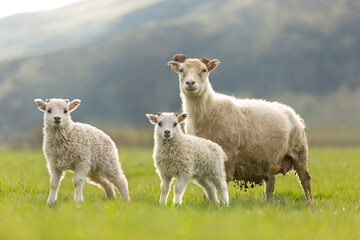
column 65, row 111
column 160, row 124
column 203, row 71
column 49, row 111
column 181, row 70
column 175, row 124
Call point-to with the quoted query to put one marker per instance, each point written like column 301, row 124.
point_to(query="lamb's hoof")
column 50, row 202
column 127, row 199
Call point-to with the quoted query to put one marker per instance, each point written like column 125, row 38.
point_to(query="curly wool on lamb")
column 79, row 147
column 186, row 157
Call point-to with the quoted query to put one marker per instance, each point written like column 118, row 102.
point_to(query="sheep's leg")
column 179, row 189
column 209, row 190
column 104, row 183
column 304, row 178
column 269, row 188
column 229, row 169
column 55, row 179
column 81, row 172
column 165, row 186
column 222, row 188
column 300, row 165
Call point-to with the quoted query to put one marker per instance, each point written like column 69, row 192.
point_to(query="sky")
column 11, row 7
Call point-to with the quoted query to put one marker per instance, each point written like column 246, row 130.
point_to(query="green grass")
column 24, row 185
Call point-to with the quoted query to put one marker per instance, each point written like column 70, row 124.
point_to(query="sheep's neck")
column 197, row 107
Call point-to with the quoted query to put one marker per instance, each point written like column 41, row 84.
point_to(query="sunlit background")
column 112, row 55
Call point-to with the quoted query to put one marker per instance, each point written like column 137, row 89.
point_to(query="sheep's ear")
column 175, row 66
column 212, row 64
column 152, row 118
column 182, row 117
column 42, row 105
column 74, row 104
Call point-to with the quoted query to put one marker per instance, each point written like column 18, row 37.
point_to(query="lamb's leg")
column 165, row 186
column 179, row 189
column 269, row 188
column 81, row 172
column 222, row 188
column 105, row 184
column 55, row 179
column 209, row 190
column 120, row 182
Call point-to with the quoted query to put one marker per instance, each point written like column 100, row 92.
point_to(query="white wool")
column 260, row 138
column 81, row 148
column 186, row 158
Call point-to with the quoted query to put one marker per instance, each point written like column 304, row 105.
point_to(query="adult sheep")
column 260, row 138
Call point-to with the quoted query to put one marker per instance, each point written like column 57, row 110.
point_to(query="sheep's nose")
column 57, row 118
column 167, row 132
column 190, row 82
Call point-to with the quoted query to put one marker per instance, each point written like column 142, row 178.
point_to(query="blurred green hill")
column 113, row 54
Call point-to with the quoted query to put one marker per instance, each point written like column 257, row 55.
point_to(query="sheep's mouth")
column 166, row 135
column 57, row 121
column 191, row 89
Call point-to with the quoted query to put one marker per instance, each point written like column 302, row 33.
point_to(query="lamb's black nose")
column 167, row 132
column 57, row 119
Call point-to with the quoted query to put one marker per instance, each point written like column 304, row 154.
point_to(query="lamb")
column 260, row 138
column 79, row 147
column 187, row 158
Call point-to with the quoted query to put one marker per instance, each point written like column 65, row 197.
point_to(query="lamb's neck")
column 169, row 143
column 56, row 134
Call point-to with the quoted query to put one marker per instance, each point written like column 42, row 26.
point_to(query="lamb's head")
column 57, row 111
column 193, row 73
column 167, row 124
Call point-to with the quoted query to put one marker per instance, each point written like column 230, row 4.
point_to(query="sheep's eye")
column 65, row 111
column 203, row 71
column 175, row 124
column 49, row 111
column 160, row 124
column 181, row 70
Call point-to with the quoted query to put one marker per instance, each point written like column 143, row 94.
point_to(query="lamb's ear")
column 42, row 105
column 182, row 117
column 74, row 104
column 152, row 118
column 212, row 64
column 175, row 66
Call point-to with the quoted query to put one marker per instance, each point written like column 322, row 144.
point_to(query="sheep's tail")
column 303, row 123
column 225, row 158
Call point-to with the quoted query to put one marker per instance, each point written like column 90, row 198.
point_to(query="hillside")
column 302, row 53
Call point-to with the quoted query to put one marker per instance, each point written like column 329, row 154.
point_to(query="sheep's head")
column 193, row 73
column 57, row 111
column 167, row 124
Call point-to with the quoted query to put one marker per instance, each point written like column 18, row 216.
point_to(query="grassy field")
column 24, row 185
